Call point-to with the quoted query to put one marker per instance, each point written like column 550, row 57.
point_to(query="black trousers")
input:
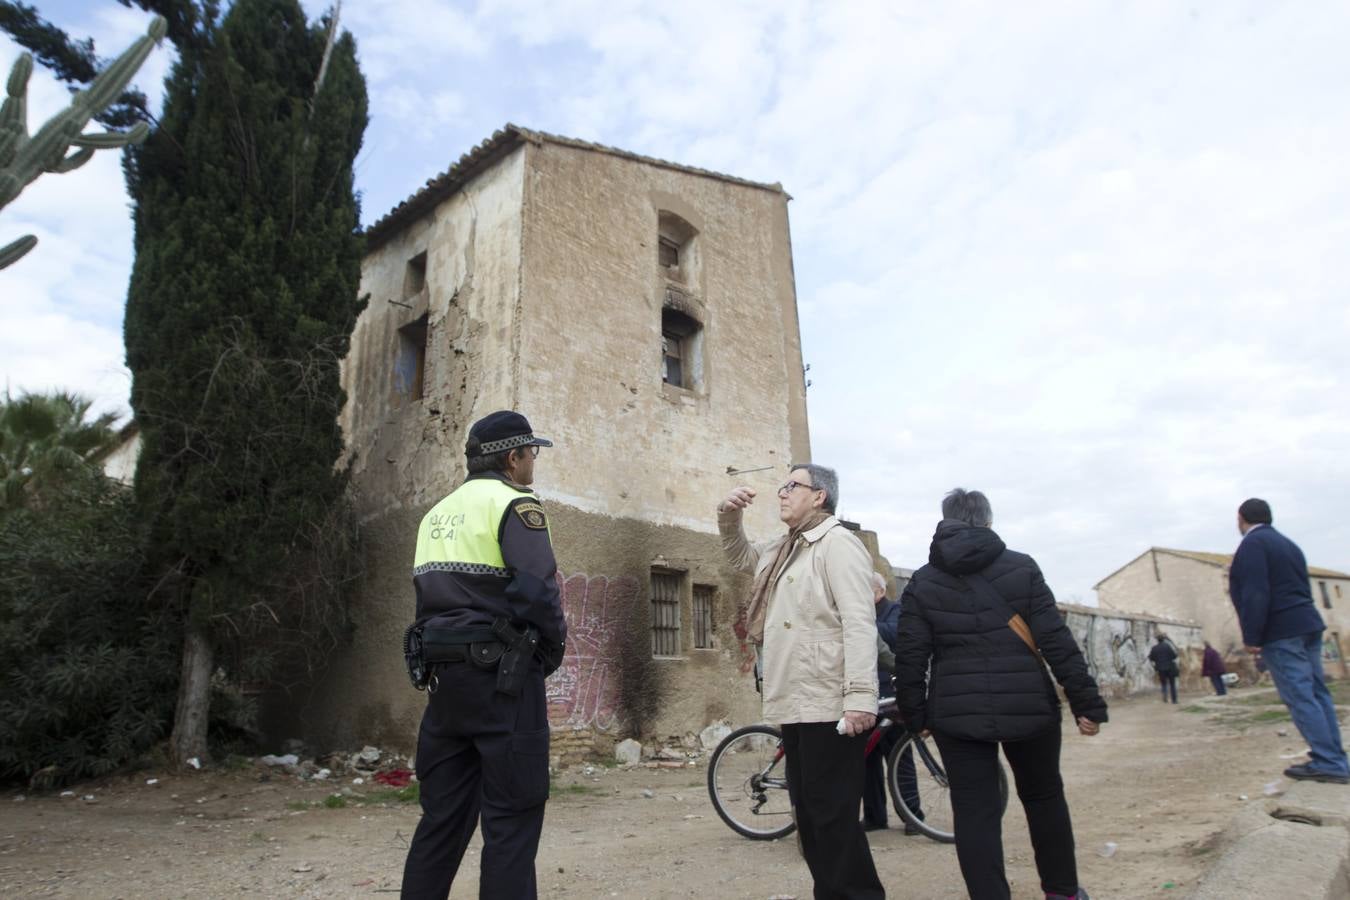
column 972, row 770
column 825, row 775
column 874, row 788
column 481, row 757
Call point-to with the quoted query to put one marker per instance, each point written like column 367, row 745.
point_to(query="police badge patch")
column 531, row 514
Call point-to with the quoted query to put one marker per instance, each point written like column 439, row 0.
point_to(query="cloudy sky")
column 1086, row 257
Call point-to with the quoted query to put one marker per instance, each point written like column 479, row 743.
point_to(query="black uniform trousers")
column 825, row 773
column 481, row 756
column 972, row 771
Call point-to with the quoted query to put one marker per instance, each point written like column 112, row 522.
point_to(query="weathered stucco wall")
column 408, row 450
column 592, row 294
column 1116, row 646
column 609, row 683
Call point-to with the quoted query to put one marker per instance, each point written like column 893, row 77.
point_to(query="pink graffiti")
column 583, row 692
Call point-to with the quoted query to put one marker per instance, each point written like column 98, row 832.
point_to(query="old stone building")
column 1190, row 585
column 643, row 315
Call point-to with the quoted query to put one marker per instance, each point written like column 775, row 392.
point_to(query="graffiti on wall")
column 583, row 692
column 1116, row 648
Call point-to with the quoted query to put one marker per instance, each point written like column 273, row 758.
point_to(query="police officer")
column 489, row 628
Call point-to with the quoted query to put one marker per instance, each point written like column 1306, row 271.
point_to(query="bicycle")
column 747, row 781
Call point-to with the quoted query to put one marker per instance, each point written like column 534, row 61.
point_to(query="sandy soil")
column 1160, row 782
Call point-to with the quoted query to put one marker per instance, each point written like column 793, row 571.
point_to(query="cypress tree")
column 242, row 300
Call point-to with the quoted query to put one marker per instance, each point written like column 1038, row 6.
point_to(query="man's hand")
column 739, row 498
column 858, row 722
column 1087, row 727
column 1254, row 651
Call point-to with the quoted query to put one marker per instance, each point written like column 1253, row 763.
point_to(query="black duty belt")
column 448, row 645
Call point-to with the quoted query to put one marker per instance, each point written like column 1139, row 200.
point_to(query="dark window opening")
column 703, row 616
column 410, row 368
column 669, row 253
column 415, row 276
column 665, row 614
column 678, row 348
column 1326, row 598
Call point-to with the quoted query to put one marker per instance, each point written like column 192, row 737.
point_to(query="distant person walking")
column 981, row 616
column 1164, row 659
column 1212, row 667
column 1269, row 584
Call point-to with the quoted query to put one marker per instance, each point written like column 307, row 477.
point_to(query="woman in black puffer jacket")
column 988, row 688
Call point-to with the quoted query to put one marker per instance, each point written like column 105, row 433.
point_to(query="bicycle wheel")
column 747, row 782
column 933, row 815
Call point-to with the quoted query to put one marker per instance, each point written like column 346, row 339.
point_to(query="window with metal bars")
column 666, row 614
column 703, row 616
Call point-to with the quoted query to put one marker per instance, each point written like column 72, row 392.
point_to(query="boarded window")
column 665, row 614
column 669, row 253
column 410, row 367
column 703, row 616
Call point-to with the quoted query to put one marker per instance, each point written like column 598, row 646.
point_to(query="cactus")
column 24, row 158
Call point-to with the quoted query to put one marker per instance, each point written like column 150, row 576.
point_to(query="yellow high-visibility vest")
column 459, row 534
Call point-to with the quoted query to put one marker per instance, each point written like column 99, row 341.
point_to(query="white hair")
column 878, row 581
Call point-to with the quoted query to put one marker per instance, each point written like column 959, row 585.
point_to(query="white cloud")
column 1086, row 257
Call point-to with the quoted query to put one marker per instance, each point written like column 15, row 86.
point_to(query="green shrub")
column 87, row 672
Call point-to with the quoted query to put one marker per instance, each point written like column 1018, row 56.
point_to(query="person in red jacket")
column 1212, row 668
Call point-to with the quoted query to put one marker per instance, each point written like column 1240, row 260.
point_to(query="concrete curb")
column 1298, row 845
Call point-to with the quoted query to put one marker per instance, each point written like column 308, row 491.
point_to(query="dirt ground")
column 1160, row 782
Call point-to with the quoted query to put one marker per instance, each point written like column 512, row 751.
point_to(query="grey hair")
column 970, row 507
column 878, row 580
column 822, row 479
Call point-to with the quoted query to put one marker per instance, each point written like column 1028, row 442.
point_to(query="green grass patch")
column 574, row 790
column 410, row 794
column 334, row 801
column 1194, row 709
column 1270, row 715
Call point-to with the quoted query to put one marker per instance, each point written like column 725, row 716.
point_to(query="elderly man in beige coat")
column 811, row 616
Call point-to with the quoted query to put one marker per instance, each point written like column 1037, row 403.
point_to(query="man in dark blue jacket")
column 874, row 787
column 1269, row 585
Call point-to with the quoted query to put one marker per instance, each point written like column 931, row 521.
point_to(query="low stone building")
column 642, row 314
column 1191, row 585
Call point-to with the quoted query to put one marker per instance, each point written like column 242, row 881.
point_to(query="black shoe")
column 873, row 826
column 1306, row 772
column 911, row 829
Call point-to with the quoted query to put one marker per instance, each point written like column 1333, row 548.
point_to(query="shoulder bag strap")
column 981, row 586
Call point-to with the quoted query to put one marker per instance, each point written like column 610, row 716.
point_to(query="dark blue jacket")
column 888, row 618
column 1268, row 582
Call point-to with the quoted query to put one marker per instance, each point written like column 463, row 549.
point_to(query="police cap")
column 501, row 431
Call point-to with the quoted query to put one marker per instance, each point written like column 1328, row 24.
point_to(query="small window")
column 665, row 614
column 670, row 253
column 703, row 616
column 1326, row 598
column 410, row 367
column 679, row 349
column 415, row 277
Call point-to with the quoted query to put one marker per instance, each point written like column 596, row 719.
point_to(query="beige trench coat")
column 820, row 635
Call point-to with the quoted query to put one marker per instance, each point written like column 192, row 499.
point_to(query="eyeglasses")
column 793, row 485
column 532, row 449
